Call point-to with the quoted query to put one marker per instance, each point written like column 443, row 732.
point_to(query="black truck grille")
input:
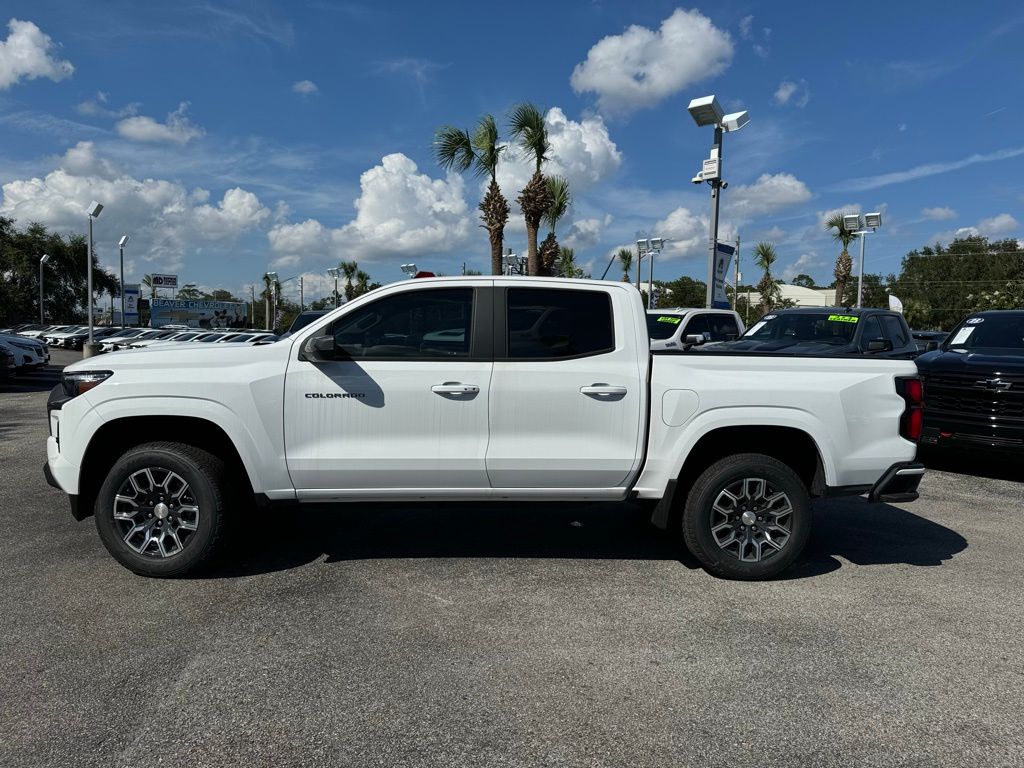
column 975, row 394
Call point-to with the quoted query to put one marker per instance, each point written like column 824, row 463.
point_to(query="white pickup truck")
column 478, row 388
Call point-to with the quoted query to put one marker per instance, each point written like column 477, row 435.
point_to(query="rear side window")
column 551, row 323
column 723, row 328
column 871, row 330
column 897, row 333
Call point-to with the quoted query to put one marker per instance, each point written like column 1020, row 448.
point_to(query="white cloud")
column 775, row 232
column 400, row 212
column 687, row 233
column 804, row 264
column 1002, row 224
column 178, row 128
column 641, row 67
column 824, row 216
column 305, row 87
column 923, row 171
column 745, row 25
column 789, row 90
column 28, row 53
column 771, row 192
column 940, row 213
column 165, row 219
column 97, row 107
column 586, row 233
column 901, row 127
column 762, row 51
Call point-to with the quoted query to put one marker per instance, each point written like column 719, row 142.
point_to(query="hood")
column 940, row 361
column 176, row 357
column 781, row 345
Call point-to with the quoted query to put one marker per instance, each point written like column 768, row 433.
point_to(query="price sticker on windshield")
column 962, row 335
column 669, row 319
column 842, row 318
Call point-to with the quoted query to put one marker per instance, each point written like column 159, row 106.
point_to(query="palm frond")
column 527, row 127
column 764, row 255
column 841, row 233
column 453, row 148
column 487, row 146
column 561, row 199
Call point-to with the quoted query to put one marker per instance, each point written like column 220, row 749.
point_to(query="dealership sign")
column 131, row 306
column 164, row 281
column 198, row 313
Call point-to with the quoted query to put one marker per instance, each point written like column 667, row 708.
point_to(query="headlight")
column 82, row 381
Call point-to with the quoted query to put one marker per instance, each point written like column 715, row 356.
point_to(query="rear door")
column 567, row 394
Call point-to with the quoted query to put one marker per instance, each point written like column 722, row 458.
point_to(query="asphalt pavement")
column 533, row 635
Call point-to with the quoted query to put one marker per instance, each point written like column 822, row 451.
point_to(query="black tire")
column 205, row 476
column 700, row 516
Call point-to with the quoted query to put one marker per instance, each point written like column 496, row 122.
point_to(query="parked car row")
column 22, row 354
column 29, row 342
column 138, row 338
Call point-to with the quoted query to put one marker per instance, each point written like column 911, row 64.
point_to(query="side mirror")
column 320, row 348
column 879, row 345
column 693, row 339
column 931, row 346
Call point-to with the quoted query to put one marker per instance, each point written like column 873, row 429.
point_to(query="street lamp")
column 409, row 269
column 513, row 263
column 43, row 260
column 93, row 211
column 707, row 111
column 855, row 226
column 121, row 244
column 335, row 273
column 648, row 248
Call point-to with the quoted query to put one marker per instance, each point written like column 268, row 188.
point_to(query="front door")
column 567, row 398
column 402, row 404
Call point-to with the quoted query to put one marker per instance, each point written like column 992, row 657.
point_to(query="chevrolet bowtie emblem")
column 995, row 385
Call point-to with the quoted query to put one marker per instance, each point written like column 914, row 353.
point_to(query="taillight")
column 912, row 420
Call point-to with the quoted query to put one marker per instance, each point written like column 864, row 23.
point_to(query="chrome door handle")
column 455, row 388
column 603, row 389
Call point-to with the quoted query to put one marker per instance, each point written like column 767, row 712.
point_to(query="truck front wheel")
column 747, row 517
column 160, row 511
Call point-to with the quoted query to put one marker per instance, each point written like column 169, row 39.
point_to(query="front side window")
column 897, row 334
column 421, row 324
column 698, row 326
column 723, row 327
column 871, row 331
column 545, row 323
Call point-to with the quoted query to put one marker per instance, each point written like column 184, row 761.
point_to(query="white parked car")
column 120, row 339
column 682, row 328
column 54, row 336
column 28, row 354
column 367, row 403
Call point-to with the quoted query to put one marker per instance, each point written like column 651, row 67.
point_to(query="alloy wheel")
column 751, row 520
column 156, row 512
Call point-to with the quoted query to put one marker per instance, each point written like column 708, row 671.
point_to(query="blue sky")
column 232, row 137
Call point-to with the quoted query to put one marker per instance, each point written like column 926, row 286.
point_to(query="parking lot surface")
column 534, row 635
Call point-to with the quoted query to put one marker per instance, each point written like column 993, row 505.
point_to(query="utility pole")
column 252, row 305
column 302, row 296
column 716, row 195
column 736, row 277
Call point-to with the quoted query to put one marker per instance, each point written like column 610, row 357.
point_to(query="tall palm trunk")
column 535, row 199
column 494, row 211
column 843, row 270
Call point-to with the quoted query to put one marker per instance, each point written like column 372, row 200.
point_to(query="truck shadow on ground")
column 844, row 530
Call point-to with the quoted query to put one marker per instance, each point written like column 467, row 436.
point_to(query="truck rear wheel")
column 747, row 517
column 160, row 511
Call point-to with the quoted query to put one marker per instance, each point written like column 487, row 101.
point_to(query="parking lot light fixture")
column 120, row 245
column 42, row 261
column 335, row 273
column 93, row 211
column 862, row 228
column 409, row 269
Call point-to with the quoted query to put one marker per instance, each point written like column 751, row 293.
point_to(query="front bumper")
column 898, row 484
column 76, row 511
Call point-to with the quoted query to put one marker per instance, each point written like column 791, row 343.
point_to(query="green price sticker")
column 842, row 318
column 673, row 320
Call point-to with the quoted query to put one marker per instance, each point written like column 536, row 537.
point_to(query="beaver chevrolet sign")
column 198, row 313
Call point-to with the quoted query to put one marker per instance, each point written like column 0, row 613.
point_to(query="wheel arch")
column 792, row 446
column 113, row 438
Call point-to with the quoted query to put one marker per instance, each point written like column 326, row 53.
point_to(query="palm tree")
column 764, row 257
column 267, row 294
column 526, row 124
column 349, row 270
column 561, row 199
column 147, row 280
column 625, row 257
column 362, row 282
column 567, row 263
column 844, row 264
column 455, row 148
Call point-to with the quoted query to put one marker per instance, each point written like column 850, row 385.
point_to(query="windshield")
column 662, row 326
column 989, row 332
column 814, row 327
column 305, row 318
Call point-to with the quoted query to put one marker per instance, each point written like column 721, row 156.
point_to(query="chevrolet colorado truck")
column 478, row 389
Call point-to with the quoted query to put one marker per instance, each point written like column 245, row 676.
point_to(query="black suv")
column 826, row 331
column 974, row 384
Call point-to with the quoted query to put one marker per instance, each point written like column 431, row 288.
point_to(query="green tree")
column 566, row 265
column 189, row 291
column 625, row 257
column 481, row 151
column 765, row 257
column 682, row 292
column 561, row 200
column 805, row 281
column 348, row 272
column 844, row 264
column 527, row 127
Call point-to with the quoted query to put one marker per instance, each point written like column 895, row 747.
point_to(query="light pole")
column 853, row 224
column 648, row 248
column 513, row 263
column 94, row 210
column 335, row 273
column 121, row 244
column 707, row 111
column 42, row 261
column 269, row 278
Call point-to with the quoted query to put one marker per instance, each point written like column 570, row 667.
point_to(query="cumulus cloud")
column 641, row 67
column 582, row 152
column 178, row 129
column 824, row 216
column 166, row 220
column 27, row 53
column 940, row 213
column 400, row 212
column 586, row 233
column 687, row 233
column 804, row 264
column 305, row 87
column 771, row 192
column 98, row 107
column 797, row 93
column 1002, row 224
